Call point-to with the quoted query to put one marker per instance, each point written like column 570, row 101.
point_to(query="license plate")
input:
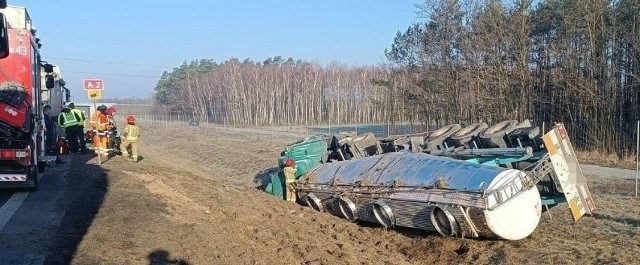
column 21, row 154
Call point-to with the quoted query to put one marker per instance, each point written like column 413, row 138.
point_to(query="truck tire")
column 32, row 174
column 437, row 139
column 495, row 136
column 464, row 136
column 42, row 166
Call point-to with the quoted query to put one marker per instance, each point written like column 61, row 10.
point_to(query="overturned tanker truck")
column 477, row 181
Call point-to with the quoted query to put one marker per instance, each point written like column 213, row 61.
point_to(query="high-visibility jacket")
column 131, row 133
column 80, row 115
column 68, row 119
column 100, row 121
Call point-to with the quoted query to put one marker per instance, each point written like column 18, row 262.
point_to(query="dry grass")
column 606, row 160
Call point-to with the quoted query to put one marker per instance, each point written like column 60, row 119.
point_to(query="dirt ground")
column 192, row 200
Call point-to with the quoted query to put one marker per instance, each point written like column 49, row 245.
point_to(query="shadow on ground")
column 161, row 257
column 119, row 156
column 622, row 220
column 263, row 178
column 85, row 187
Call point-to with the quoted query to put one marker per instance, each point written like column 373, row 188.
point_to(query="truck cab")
column 21, row 135
column 58, row 95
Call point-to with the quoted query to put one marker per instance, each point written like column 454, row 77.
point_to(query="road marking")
column 10, row 207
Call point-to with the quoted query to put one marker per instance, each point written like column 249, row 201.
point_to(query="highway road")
column 45, row 227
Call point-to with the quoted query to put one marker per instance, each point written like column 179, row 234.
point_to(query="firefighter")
column 80, row 128
column 100, row 123
column 290, row 177
column 70, row 121
column 111, row 111
column 131, row 136
column 112, row 133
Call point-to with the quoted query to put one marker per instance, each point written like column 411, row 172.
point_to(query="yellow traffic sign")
column 94, row 94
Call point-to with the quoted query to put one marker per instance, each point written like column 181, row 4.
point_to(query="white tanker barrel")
column 426, row 192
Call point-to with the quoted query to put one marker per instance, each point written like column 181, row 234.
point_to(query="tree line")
column 275, row 92
column 573, row 61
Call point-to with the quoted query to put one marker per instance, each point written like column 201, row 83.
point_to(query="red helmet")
column 131, row 119
column 289, row 163
column 111, row 110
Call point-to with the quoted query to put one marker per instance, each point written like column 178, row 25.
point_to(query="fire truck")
column 22, row 73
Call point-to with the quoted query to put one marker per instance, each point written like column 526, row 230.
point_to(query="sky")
column 130, row 43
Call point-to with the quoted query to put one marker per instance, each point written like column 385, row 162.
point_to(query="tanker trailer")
column 451, row 194
column 418, row 190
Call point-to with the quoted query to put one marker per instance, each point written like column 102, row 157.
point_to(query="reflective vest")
column 80, row 114
column 131, row 133
column 68, row 119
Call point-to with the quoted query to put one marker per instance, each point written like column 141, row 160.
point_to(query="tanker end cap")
column 519, row 215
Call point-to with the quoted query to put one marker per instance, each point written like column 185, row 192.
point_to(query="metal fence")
column 581, row 138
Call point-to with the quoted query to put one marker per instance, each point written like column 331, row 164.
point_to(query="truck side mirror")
column 4, row 35
column 49, row 81
column 67, row 95
column 48, row 68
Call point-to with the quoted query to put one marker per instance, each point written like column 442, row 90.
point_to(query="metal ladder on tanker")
column 511, row 189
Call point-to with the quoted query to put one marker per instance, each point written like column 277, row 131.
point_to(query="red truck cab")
column 21, row 135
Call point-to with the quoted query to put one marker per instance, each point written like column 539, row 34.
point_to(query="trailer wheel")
column 464, row 136
column 494, row 136
column 436, row 140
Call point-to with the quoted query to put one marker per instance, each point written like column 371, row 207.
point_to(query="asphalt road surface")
column 44, row 227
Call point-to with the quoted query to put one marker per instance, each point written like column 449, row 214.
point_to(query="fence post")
column 388, row 128
column 637, row 154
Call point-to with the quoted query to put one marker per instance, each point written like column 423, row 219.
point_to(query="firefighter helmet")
column 131, row 119
column 111, row 110
column 289, row 163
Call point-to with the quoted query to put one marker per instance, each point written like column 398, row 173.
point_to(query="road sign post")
column 94, row 89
